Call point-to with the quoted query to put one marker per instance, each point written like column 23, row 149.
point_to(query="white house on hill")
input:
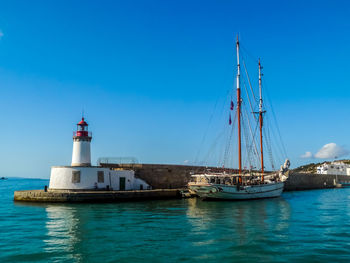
column 336, row 168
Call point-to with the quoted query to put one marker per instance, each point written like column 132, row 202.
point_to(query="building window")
column 75, row 177
column 100, row 177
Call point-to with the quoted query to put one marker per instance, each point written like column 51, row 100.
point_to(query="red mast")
column 261, row 123
column 239, row 114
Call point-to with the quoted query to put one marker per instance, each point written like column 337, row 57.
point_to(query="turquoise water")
column 308, row 226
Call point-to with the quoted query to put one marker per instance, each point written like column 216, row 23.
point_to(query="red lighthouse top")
column 82, row 122
column 82, row 129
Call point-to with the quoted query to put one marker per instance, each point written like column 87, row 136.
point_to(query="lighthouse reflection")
column 64, row 233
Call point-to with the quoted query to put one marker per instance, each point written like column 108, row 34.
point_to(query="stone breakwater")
column 95, row 196
column 163, row 176
column 304, row 181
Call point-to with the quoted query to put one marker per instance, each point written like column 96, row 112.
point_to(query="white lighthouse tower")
column 81, row 145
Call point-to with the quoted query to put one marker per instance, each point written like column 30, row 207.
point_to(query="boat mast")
column 261, row 123
column 239, row 114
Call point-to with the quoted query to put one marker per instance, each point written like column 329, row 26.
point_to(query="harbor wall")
column 167, row 176
column 306, row 181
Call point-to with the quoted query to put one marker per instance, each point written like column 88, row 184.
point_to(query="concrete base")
column 95, row 196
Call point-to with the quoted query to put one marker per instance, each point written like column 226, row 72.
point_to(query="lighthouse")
column 80, row 175
column 81, row 145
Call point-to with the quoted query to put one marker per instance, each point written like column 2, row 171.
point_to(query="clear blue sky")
column 148, row 74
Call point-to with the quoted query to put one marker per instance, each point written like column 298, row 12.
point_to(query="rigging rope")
column 228, row 145
column 245, row 51
column 250, row 85
column 250, row 104
column 209, row 125
column 253, row 143
column 211, row 149
column 268, row 144
column 278, row 146
column 249, row 150
column 275, row 119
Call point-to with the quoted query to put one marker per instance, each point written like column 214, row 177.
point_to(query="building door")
column 121, row 183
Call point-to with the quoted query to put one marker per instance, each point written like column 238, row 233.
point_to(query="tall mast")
column 261, row 123
column 239, row 114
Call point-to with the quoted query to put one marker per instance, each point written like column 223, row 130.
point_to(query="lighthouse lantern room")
column 81, row 145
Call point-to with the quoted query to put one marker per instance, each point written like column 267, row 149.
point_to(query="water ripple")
column 309, row 226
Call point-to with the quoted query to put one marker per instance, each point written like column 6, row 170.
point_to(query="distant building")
column 337, row 168
column 80, row 175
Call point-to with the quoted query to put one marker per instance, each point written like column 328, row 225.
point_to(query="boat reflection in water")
column 239, row 227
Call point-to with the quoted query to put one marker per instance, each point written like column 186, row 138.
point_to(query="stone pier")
column 95, row 196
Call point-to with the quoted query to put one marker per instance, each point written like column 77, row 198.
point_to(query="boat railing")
column 232, row 179
column 117, row 160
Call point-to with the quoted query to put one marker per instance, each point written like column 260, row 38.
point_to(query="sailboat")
column 244, row 185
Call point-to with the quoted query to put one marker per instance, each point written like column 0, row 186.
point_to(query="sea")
column 301, row 226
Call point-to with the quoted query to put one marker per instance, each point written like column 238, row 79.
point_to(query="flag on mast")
column 229, row 120
column 231, row 105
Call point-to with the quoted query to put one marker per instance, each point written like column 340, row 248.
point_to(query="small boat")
column 244, row 185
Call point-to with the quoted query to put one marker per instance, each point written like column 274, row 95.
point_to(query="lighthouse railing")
column 82, row 133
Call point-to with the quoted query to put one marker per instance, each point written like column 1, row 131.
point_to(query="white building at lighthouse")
column 82, row 176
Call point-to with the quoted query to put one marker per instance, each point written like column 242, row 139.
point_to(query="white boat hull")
column 232, row 192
